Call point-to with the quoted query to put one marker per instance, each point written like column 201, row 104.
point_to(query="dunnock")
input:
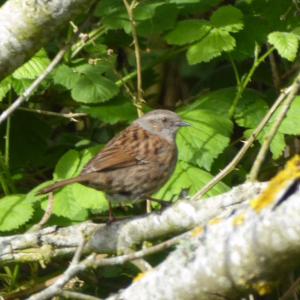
column 137, row 162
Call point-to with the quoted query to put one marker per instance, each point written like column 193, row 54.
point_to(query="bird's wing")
column 120, row 152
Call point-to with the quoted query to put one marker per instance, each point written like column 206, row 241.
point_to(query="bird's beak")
column 183, row 124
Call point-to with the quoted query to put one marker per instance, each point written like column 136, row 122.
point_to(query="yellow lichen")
column 262, row 288
column 214, row 221
column 239, row 220
column 140, row 276
column 278, row 185
column 197, row 231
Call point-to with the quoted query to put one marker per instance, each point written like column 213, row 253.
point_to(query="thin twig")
column 46, row 216
column 247, row 144
column 291, row 290
column 274, row 129
column 28, row 92
column 139, row 93
column 70, row 115
column 244, row 83
column 53, row 64
column 93, row 261
column 76, row 295
column 275, row 73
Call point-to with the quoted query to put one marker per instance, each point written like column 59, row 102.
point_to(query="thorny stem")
column 274, row 129
column 244, row 83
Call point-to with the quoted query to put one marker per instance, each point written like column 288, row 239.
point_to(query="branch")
column 274, row 129
column 245, row 253
column 247, row 144
column 28, row 92
column 122, row 236
column 25, row 26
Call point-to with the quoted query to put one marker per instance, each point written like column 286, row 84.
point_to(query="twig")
column 247, row 144
column 53, row 64
column 291, row 290
column 46, row 215
column 28, row 92
column 93, row 261
column 139, row 93
column 70, row 115
column 268, row 139
column 275, row 73
column 76, row 295
column 244, row 83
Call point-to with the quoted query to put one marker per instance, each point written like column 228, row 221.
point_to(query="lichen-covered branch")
column 246, row 253
column 26, row 25
column 121, row 236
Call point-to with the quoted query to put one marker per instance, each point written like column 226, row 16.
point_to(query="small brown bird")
column 136, row 163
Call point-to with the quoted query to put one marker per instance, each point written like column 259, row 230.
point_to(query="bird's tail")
column 61, row 184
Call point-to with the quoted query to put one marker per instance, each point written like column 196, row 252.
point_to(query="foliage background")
column 219, row 64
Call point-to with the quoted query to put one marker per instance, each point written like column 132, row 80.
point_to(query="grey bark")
column 26, row 25
column 230, row 259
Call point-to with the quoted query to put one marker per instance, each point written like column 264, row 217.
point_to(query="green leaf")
column 14, row 212
column 67, row 166
column 114, row 14
column 34, row 67
column 286, row 43
column 20, row 85
column 210, row 46
column 291, row 123
column 5, row 86
column 163, row 19
column 89, row 198
column 188, row 31
column 65, row 76
column 251, row 109
column 228, row 18
column 191, row 178
column 86, row 155
column 92, row 87
column 208, row 136
column 117, row 110
column 66, row 205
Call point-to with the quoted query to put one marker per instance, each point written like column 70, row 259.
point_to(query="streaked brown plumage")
column 137, row 162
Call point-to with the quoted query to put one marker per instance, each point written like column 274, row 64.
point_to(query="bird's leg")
column 111, row 217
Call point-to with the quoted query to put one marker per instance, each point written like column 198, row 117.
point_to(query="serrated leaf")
column 145, row 11
column 20, row 85
column 65, row 76
column 67, row 166
column 228, row 18
column 188, row 31
column 277, row 145
column 14, row 212
column 291, row 123
column 208, row 136
column 34, row 67
column 89, row 198
column 191, row 178
column 210, row 46
column 5, row 86
column 66, row 205
column 91, row 89
column 87, row 155
column 250, row 110
column 286, row 43
column 112, row 112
